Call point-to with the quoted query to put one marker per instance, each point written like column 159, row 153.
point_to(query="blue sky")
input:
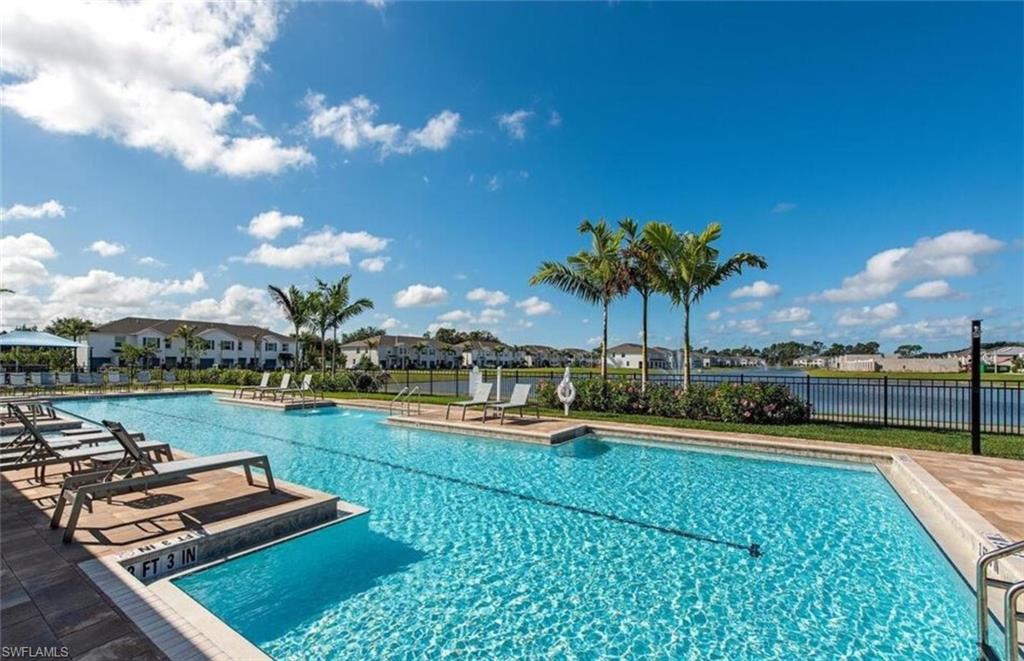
column 871, row 152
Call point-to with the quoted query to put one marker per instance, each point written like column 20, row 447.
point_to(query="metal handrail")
column 1011, row 617
column 982, row 583
column 408, row 401
column 396, row 398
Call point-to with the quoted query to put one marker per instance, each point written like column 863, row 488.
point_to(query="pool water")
column 597, row 548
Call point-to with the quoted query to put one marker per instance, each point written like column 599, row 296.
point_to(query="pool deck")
column 278, row 405
column 80, row 596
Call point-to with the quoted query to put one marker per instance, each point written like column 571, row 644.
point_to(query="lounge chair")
column 517, row 402
column 480, row 398
column 64, row 381
column 306, row 387
column 137, row 472
column 240, row 392
column 169, row 380
column 144, row 380
column 286, row 380
column 17, row 382
column 41, row 451
column 115, row 382
column 37, row 409
column 90, row 381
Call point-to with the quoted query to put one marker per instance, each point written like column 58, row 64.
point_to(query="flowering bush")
column 758, row 403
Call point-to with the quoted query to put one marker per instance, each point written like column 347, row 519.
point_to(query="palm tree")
column 596, row 276
column 320, row 315
column 689, row 267
column 74, row 328
column 189, row 335
column 296, row 308
column 342, row 308
column 419, row 347
column 641, row 264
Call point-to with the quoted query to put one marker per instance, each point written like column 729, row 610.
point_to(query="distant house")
column 631, row 356
column 856, row 362
column 225, row 345
column 580, row 357
column 483, row 353
column 539, row 355
column 1001, row 359
column 934, row 365
column 402, row 352
column 811, row 362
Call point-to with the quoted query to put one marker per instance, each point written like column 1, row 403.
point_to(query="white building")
column 856, row 362
column 225, row 345
column 631, row 355
column 1001, row 359
column 481, row 353
column 539, row 355
column 402, row 352
column 819, row 362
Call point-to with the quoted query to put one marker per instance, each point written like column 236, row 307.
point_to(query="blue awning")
column 24, row 338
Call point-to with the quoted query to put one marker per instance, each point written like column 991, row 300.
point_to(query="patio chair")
column 306, row 387
column 481, row 396
column 286, row 380
column 116, row 382
column 170, row 379
column 41, row 382
column 137, row 472
column 240, row 391
column 144, row 380
column 64, row 381
column 517, row 402
column 17, row 382
column 41, row 451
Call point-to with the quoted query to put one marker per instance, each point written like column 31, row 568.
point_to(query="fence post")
column 741, row 378
column 431, row 380
column 807, row 388
column 885, row 400
column 407, row 377
column 457, row 378
column 976, row 386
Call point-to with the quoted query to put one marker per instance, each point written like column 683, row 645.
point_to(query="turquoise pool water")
column 598, row 548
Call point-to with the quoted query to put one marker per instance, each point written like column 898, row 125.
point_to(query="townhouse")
column 631, row 355
column 223, row 345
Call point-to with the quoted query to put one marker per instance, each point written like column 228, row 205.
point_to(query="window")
column 207, row 345
column 284, row 346
column 241, row 345
column 167, row 343
column 151, row 342
column 270, row 346
column 118, row 341
column 227, row 345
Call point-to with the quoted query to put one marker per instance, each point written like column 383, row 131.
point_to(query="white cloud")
column 931, row 289
column 20, row 309
column 150, row 261
column 159, row 76
column 22, row 260
column 805, row 330
column 390, row 324
column 759, row 289
column 48, row 209
column 269, row 224
column 103, row 295
column 931, row 328
column 420, row 296
column 948, row 255
column 456, row 316
column 534, row 306
column 374, row 264
column 487, row 317
column 554, row 119
column 783, row 207
column 320, row 248
column 490, row 316
column 715, row 315
column 747, row 326
column 106, row 248
column 351, row 126
column 868, row 315
column 238, row 305
column 487, row 296
column 514, row 123
column 790, row 315
column 494, row 183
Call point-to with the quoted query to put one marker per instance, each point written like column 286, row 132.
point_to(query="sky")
column 172, row 160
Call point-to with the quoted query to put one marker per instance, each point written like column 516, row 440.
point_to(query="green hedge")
column 759, row 403
column 351, row 381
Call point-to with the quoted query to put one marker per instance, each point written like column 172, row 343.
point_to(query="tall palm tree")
column 641, row 266
column 689, row 267
column 189, row 335
column 293, row 303
column 74, row 328
column 596, row 275
column 320, row 316
column 343, row 309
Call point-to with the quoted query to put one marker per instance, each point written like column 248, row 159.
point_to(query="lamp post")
column 976, row 386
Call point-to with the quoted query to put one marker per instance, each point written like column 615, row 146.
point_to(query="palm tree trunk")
column 334, row 352
column 604, row 344
column 298, row 354
column 686, row 346
column 643, row 348
column 323, row 351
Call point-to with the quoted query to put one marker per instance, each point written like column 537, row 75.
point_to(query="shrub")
column 763, row 403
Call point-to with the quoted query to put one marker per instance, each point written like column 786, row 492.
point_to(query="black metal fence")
column 883, row 400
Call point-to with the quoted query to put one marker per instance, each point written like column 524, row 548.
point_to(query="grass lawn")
column 940, row 376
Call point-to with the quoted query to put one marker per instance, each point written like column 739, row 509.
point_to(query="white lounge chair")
column 264, row 383
column 114, row 380
column 481, row 397
column 305, row 388
column 517, row 402
column 78, row 489
column 286, row 381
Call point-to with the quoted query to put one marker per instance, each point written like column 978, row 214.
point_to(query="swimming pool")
column 599, row 547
